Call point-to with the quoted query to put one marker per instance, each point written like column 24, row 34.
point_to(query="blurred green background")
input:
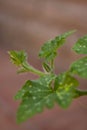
column 26, row 25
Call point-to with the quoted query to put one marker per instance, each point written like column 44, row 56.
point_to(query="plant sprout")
column 50, row 88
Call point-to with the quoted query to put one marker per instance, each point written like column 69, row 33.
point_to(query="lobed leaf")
column 35, row 95
column 23, row 90
column 79, row 67
column 33, row 105
column 38, row 94
column 43, row 80
column 65, row 89
column 81, row 45
column 49, row 49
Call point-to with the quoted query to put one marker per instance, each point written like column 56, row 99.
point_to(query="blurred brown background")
column 27, row 24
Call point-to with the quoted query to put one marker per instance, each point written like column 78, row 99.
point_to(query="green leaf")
column 18, row 57
column 43, row 80
column 79, row 67
column 81, row 45
column 38, row 94
column 65, row 89
column 22, row 91
column 49, row 49
column 33, row 105
column 35, row 95
column 49, row 89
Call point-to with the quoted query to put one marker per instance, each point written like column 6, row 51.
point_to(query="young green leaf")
column 49, row 49
column 44, row 79
column 65, row 89
column 35, row 96
column 64, row 79
column 81, row 45
column 32, row 105
column 23, row 90
column 79, row 67
column 18, row 57
column 38, row 94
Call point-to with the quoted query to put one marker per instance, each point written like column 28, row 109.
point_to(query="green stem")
column 32, row 69
column 52, row 65
column 80, row 93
